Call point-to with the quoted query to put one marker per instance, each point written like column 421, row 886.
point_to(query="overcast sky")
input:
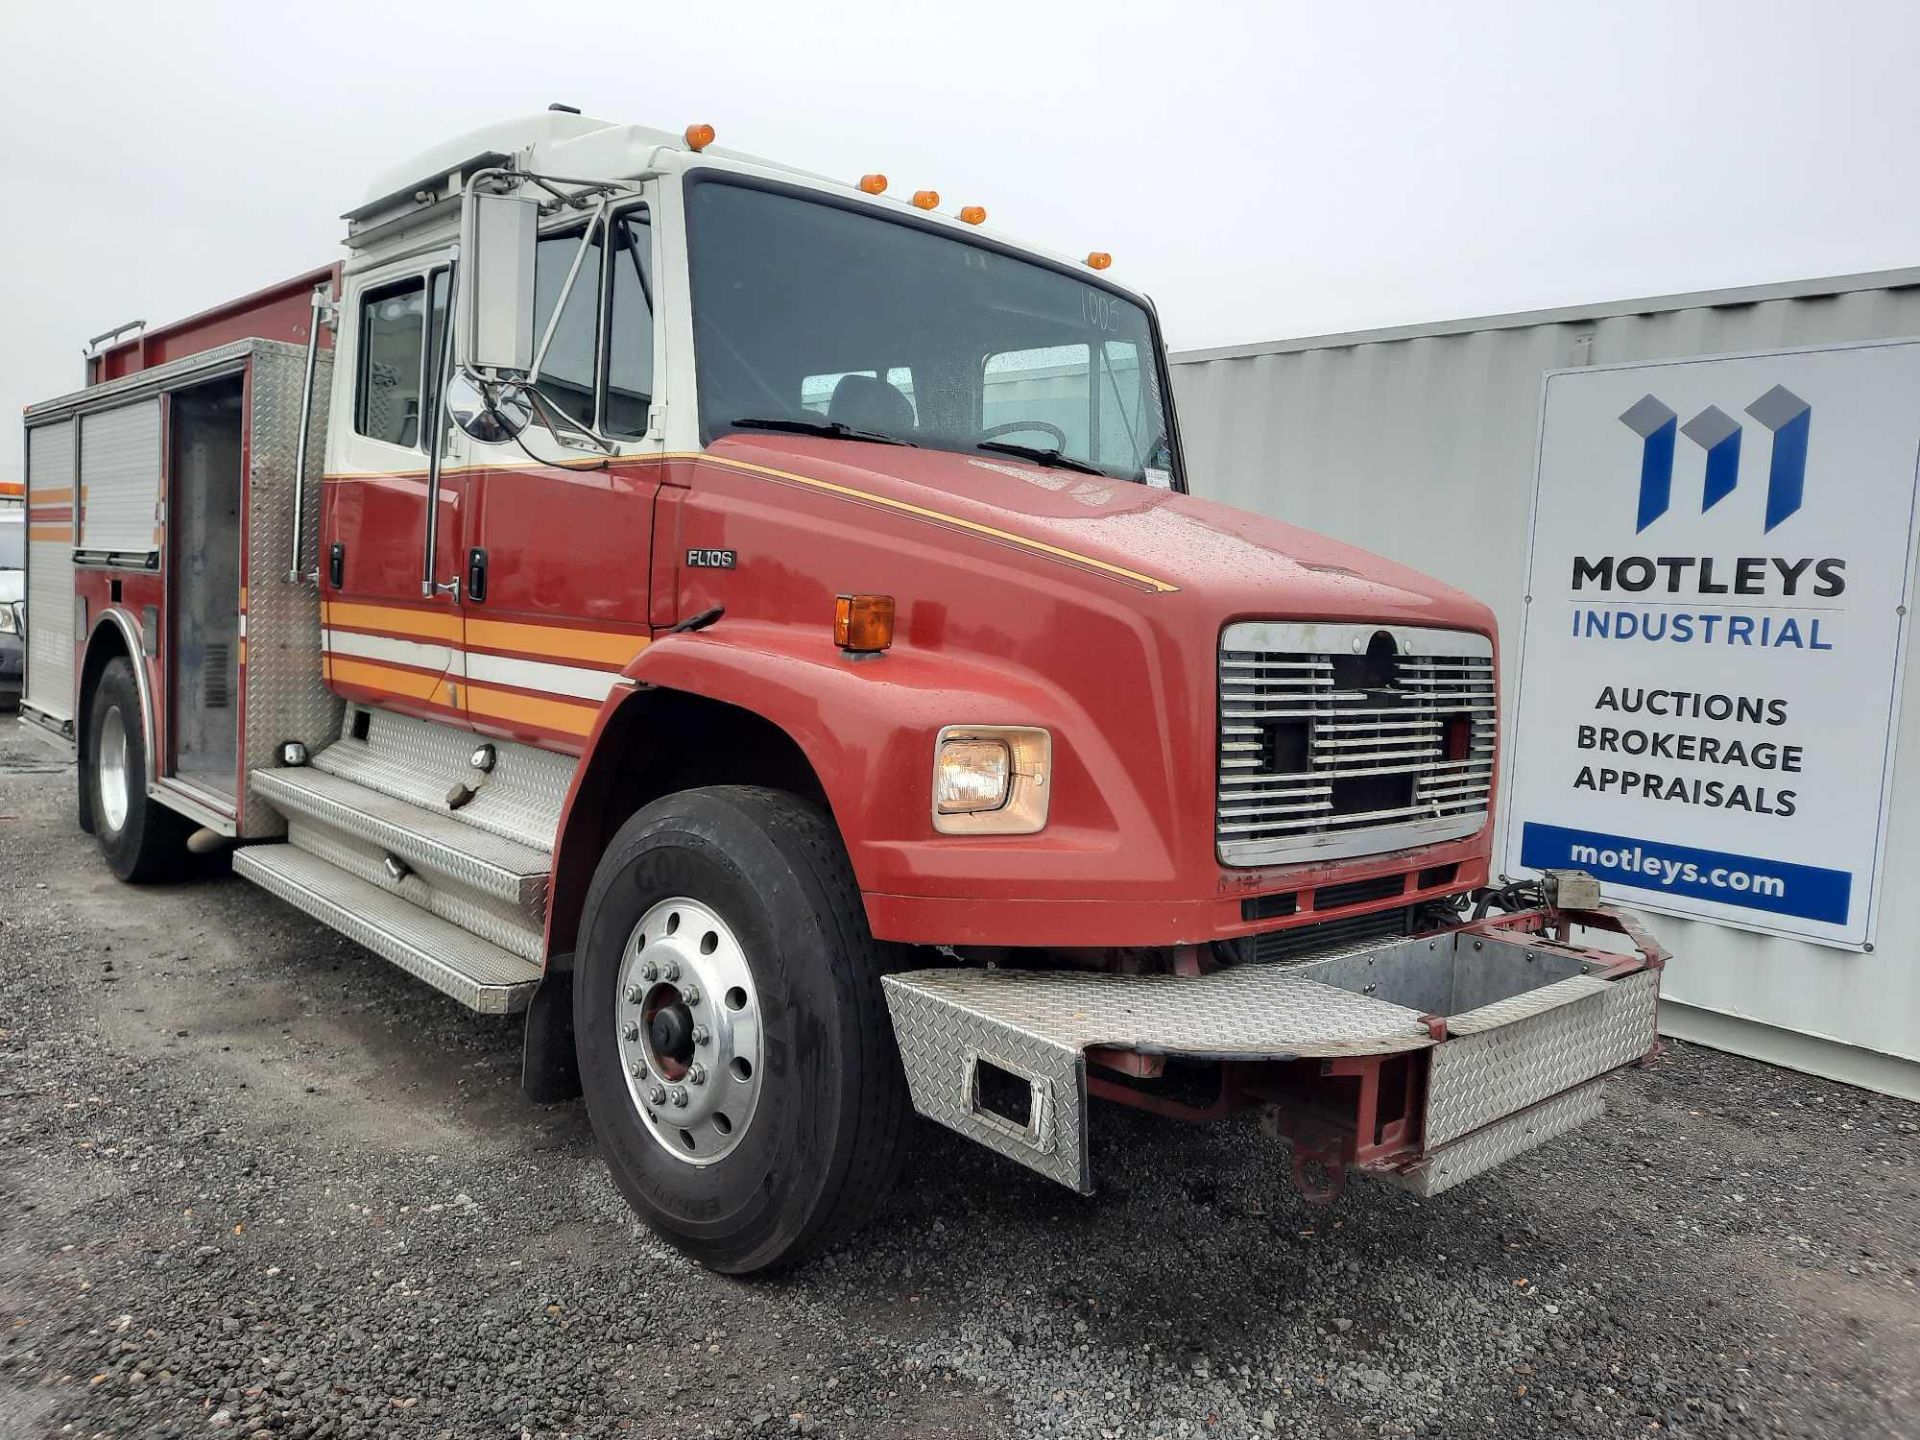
column 1262, row 170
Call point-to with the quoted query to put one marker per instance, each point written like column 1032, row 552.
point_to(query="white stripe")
column 542, row 675
column 437, row 658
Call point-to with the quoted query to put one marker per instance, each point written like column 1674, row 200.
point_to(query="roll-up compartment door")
column 50, row 496
column 120, row 480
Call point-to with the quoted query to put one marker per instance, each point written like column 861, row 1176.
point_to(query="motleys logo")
column 1784, row 414
column 1664, row 871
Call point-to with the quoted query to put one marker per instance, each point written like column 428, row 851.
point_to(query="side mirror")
column 492, row 412
column 494, row 314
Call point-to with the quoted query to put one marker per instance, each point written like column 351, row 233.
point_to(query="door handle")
column 476, row 574
column 336, row 564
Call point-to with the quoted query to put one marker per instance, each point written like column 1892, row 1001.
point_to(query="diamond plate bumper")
column 1530, row 1028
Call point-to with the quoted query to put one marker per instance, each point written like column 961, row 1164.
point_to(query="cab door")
column 559, row 539
column 392, row 628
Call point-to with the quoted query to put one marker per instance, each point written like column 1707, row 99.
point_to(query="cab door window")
column 397, row 379
column 388, row 387
column 626, row 401
column 567, row 371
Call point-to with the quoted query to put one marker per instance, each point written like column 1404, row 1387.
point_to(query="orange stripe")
column 47, row 494
column 570, row 717
column 407, row 684
column 50, row 532
column 554, row 642
column 440, row 625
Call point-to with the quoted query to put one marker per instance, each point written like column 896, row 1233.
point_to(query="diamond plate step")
column 430, row 840
column 479, row 975
column 417, row 761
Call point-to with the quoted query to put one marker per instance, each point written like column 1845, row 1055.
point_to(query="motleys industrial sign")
column 1710, row 665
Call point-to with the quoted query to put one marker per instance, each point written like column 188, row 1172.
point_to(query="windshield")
column 814, row 316
column 13, row 545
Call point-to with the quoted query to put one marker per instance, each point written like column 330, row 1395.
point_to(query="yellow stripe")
column 50, row 532
column 44, row 495
column 992, row 532
column 555, row 641
column 569, row 717
column 422, row 624
column 1008, row 537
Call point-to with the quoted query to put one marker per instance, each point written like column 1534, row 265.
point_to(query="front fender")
column 866, row 726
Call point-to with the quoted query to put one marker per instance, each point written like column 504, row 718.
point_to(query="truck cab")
column 762, row 628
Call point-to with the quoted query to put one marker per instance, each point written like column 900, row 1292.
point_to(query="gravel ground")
column 257, row 1182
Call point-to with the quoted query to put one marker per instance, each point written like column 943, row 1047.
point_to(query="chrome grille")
column 1334, row 739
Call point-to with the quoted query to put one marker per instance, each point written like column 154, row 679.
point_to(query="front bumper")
column 1426, row 1060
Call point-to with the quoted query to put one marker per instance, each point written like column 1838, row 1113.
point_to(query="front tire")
column 142, row 840
column 733, row 1040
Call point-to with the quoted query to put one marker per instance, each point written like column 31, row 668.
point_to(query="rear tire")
column 142, row 840
column 791, row 1130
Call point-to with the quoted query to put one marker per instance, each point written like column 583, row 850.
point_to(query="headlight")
column 991, row 779
column 971, row 775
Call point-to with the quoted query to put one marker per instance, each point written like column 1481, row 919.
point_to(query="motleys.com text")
column 1664, row 871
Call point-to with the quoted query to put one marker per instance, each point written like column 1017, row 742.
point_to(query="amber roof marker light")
column 698, row 137
column 1099, row 260
column 973, row 214
column 926, row 199
column 873, row 184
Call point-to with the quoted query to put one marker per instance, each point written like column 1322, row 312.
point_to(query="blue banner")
column 1742, row 880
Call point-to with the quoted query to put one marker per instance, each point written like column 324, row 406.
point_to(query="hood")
column 1237, row 563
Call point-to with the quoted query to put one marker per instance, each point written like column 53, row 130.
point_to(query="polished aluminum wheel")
column 112, row 764
column 689, row 1030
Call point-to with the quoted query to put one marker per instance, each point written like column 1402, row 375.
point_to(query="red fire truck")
column 759, row 627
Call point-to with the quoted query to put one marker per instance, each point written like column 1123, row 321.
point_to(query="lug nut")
column 691, row 995
column 638, row 1070
column 633, row 994
column 649, row 972
column 700, row 1035
column 630, row 1031
column 696, row 1074
column 657, row 1095
column 679, row 1098
column 671, row 971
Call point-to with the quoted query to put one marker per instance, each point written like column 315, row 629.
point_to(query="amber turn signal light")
column 873, row 184
column 926, row 199
column 1099, row 260
column 973, row 214
column 863, row 623
column 698, row 137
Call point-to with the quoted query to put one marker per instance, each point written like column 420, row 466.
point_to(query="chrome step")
column 480, row 975
column 433, row 841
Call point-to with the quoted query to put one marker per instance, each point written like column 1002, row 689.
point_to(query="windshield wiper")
column 1041, row 456
column 832, row 428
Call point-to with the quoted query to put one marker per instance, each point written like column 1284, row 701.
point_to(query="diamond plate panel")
column 418, row 761
column 1493, row 1145
column 285, row 696
column 1479, row 1077
column 433, row 840
column 1247, row 1012
column 492, row 920
column 941, row 1043
column 1525, row 1005
column 480, row 976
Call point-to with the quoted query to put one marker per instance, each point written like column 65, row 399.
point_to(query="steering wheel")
column 1013, row 427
